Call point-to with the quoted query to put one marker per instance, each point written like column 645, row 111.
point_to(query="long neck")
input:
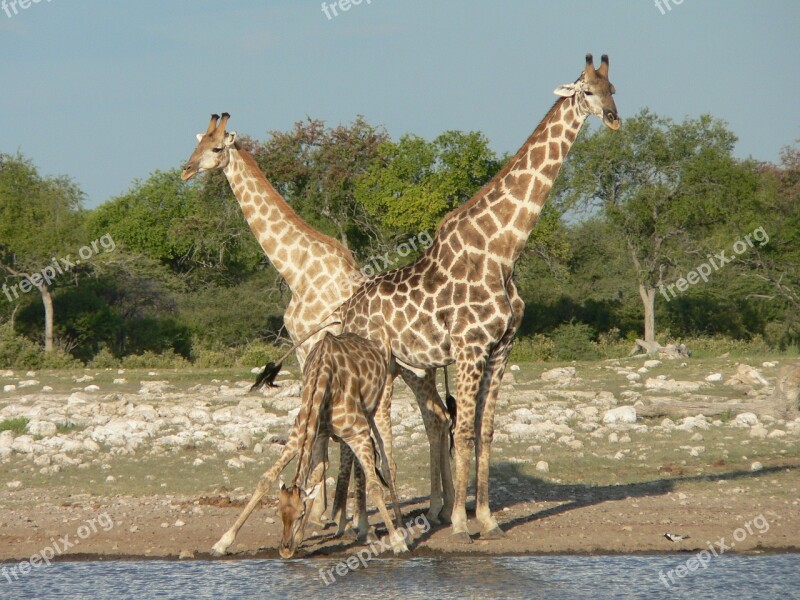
column 505, row 210
column 289, row 242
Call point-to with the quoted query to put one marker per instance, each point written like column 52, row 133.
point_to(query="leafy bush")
column 206, row 358
column 573, row 341
column 104, row 359
column 17, row 351
column 611, row 344
column 258, row 353
column 532, row 349
column 168, row 359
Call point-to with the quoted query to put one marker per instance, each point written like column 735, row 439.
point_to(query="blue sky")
column 107, row 92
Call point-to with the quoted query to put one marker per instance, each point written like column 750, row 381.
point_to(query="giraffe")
column 344, row 398
column 458, row 303
column 321, row 273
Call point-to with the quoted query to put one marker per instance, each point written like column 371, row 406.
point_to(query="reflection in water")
column 485, row 578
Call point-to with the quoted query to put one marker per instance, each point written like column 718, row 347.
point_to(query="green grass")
column 17, row 425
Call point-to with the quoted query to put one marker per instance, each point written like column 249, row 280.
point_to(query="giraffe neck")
column 286, row 239
column 506, row 209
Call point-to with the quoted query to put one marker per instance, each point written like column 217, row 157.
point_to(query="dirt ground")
column 597, row 497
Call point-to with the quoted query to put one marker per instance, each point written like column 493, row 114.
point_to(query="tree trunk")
column 648, row 295
column 47, row 300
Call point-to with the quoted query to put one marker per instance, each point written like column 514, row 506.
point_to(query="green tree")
column 412, row 183
column 41, row 221
column 661, row 186
column 316, row 169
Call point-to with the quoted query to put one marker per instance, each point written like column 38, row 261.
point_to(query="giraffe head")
column 594, row 91
column 213, row 151
column 293, row 505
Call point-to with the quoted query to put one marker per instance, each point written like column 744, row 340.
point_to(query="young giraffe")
column 458, row 302
column 321, row 273
column 343, row 398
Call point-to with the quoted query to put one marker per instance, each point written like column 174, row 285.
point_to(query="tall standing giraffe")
column 321, row 274
column 458, row 303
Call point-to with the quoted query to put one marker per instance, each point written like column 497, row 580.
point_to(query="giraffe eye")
column 217, row 149
column 588, row 93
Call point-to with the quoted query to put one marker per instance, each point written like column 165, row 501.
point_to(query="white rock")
column 110, row 479
column 27, row 383
column 234, row 463
column 90, row 445
column 620, row 414
column 6, row 439
column 661, row 384
column 714, row 377
column 23, row 444
column 6, row 373
column 756, row 466
column 745, row 419
column 514, row 367
column 256, row 370
column 776, row 433
column 91, row 388
column 9, row 388
column 613, row 437
column 769, row 365
column 47, row 388
column 14, row 485
column 179, row 523
column 559, row 374
column 758, row 431
column 120, row 381
column 43, row 428
column 542, row 466
column 651, row 364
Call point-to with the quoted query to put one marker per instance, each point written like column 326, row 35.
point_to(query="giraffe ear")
column 200, row 137
column 230, row 139
column 566, row 90
column 282, row 485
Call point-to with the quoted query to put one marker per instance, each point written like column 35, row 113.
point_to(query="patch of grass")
column 16, row 425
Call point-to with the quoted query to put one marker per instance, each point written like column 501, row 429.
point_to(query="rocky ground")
column 158, row 463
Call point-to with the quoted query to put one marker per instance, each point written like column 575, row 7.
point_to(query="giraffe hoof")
column 461, row 537
column 494, row 534
column 348, row 534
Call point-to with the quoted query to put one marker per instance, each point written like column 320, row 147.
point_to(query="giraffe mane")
column 506, row 168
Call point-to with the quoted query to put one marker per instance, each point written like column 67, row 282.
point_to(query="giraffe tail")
column 267, row 376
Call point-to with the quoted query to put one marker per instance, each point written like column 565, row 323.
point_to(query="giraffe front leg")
column 264, row 484
column 383, row 428
column 316, row 515
column 469, row 370
column 496, row 366
column 363, row 449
